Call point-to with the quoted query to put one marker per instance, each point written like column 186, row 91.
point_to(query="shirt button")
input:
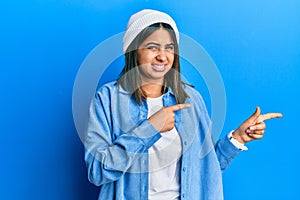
column 185, row 143
column 183, row 195
column 184, row 169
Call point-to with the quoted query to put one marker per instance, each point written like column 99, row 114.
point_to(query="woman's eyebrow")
column 152, row 43
column 170, row 44
column 157, row 44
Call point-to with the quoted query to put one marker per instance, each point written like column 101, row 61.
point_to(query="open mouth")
column 158, row 68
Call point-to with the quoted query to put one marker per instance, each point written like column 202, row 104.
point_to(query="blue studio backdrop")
column 254, row 44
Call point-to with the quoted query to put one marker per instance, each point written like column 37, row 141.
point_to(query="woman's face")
column 156, row 56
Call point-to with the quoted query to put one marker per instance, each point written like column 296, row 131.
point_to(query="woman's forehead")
column 160, row 36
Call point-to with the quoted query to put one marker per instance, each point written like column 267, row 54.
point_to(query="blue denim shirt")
column 119, row 135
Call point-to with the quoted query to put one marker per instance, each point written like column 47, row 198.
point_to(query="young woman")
column 148, row 135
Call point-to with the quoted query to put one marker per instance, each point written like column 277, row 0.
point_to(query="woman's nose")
column 161, row 55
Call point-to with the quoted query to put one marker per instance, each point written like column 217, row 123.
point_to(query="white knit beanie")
column 143, row 19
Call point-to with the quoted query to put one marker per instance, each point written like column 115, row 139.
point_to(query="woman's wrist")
column 237, row 137
column 236, row 142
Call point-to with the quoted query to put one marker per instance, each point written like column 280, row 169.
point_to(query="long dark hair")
column 130, row 79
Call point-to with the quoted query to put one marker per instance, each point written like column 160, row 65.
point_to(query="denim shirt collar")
column 122, row 90
column 168, row 100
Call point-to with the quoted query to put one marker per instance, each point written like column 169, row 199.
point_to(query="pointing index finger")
column 268, row 116
column 180, row 106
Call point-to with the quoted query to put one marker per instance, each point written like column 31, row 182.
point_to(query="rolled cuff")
column 147, row 133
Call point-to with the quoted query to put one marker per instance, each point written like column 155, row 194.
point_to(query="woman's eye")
column 152, row 47
column 170, row 48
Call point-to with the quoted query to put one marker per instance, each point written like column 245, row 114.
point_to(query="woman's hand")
column 163, row 120
column 254, row 127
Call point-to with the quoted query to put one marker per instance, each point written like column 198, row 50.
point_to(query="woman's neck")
column 152, row 90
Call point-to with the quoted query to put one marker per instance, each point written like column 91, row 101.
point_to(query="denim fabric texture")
column 118, row 137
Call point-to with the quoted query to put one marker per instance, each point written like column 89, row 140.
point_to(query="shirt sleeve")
column 236, row 143
column 226, row 152
column 108, row 157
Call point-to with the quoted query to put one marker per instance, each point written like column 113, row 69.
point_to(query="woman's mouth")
column 158, row 68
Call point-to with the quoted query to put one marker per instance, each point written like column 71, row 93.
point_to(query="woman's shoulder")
column 110, row 88
column 190, row 90
column 193, row 94
column 106, row 89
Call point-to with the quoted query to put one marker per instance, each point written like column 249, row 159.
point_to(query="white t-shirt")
column 164, row 165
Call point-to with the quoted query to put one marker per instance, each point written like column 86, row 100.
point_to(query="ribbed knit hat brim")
column 142, row 19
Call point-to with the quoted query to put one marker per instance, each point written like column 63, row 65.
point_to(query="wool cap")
column 143, row 19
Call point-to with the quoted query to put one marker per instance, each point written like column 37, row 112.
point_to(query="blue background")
column 255, row 44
